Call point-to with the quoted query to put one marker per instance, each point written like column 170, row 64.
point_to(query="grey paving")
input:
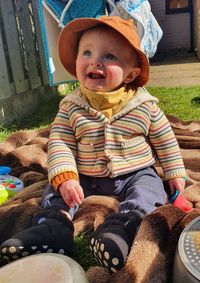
column 175, row 70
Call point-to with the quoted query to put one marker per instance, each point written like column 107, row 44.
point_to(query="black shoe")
column 111, row 242
column 50, row 236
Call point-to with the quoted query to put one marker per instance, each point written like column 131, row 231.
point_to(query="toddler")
column 104, row 140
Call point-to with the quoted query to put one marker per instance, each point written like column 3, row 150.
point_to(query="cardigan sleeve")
column 165, row 145
column 61, row 146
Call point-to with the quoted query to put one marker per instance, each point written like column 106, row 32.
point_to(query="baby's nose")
column 95, row 62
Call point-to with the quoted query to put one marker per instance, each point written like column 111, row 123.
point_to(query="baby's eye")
column 110, row 56
column 86, row 53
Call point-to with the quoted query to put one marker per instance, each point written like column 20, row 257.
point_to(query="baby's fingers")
column 80, row 194
column 75, row 196
column 177, row 184
column 68, row 200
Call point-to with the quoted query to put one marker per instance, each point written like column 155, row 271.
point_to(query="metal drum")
column 187, row 258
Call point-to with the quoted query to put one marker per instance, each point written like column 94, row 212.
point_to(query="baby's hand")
column 71, row 192
column 177, row 184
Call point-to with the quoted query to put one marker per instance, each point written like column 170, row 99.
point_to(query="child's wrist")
column 61, row 178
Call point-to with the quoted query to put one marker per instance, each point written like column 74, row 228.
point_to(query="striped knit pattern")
column 83, row 140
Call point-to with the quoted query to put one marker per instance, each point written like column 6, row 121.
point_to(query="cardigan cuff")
column 63, row 177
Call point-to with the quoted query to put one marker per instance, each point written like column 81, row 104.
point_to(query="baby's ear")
column 132, row 75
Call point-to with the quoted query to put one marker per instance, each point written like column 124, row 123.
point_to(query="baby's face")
column 104, row 60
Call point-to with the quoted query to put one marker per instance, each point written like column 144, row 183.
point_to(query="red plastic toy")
column 179, row 200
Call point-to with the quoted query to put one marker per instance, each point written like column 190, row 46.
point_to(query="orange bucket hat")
column 70, row 35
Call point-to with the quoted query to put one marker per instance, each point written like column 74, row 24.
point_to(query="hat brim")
column 69, row 40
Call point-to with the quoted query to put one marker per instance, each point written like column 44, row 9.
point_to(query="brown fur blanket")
column 152, row 253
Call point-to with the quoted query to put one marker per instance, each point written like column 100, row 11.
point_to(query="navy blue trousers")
column 141, row 190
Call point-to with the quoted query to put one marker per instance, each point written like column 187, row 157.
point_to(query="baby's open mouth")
column 95, row 76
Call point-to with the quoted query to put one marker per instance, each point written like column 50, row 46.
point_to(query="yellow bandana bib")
column 109, row 103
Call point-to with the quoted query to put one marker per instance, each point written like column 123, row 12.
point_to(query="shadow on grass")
column 41, row 117
column 45, row 112
column 196, row 101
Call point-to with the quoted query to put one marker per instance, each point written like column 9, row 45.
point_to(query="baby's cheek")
column 115, row 73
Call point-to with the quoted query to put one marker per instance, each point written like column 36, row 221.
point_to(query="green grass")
column 183, row 103
column 4, row 132
column 82, row 253
column 42, row 117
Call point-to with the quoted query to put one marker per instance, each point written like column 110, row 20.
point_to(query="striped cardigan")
column 83, row 140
